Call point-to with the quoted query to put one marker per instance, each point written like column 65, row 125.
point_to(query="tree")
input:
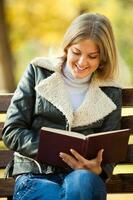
column 37, row 28
column 7, row 82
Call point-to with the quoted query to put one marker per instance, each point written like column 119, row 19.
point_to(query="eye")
column 92, row 56
column 75, row 52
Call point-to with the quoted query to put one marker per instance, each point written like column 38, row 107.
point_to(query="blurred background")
column 32, row 28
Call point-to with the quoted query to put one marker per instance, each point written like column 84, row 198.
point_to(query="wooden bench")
column 119, row 183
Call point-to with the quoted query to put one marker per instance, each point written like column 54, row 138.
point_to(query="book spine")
column 85, row 148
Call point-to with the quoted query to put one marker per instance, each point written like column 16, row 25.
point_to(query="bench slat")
column 5, row 157
column 129, row 157
column 127, row 122
column 6, row 187
column 120, row 184
column 127, row 99
column 1, row 126
column 127, row 96
column 4, row 102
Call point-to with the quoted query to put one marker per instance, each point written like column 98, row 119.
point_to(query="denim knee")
column 86, row 178
column 34, row 187
column 84, row 175
column 83, row 185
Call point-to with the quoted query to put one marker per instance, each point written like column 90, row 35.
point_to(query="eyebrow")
column 96, row 52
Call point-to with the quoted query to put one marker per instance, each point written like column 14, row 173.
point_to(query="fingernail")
column 60, row 154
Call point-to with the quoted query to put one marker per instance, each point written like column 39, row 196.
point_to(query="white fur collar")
column 95, row 106
column 50, row 63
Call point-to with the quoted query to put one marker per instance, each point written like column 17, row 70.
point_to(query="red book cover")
column 53, row 141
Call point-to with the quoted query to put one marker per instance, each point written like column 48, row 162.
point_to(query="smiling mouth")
column 80, row 69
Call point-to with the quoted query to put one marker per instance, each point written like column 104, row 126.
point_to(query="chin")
column 78, row 76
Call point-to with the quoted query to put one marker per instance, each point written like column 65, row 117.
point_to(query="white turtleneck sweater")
column 76, row 88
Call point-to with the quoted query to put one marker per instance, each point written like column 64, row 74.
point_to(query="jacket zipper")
column 67, row 125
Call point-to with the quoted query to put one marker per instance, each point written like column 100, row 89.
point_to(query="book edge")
column 80, row 135
column 64, row 132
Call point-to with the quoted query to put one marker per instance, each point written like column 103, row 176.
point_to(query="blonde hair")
column 98, row 28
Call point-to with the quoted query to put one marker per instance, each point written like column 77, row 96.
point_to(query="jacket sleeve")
column 112, row 122
column 17, row 133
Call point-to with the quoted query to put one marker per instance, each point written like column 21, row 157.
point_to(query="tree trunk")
column 7, row 82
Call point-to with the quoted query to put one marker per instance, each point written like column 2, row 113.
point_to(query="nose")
column 82, row 62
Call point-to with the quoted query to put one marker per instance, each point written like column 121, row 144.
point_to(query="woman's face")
column 83, row 58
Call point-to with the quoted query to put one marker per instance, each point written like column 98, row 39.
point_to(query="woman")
column 77, row 92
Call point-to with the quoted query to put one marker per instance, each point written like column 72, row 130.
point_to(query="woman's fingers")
column 77, row 155
column 80, row 158
column 99, row 157
column 69, row 160
column 76, row 161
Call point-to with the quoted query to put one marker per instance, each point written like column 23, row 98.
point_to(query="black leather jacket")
column 40, row 100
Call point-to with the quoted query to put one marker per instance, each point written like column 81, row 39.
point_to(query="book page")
column 64, row 132
column 106, row 133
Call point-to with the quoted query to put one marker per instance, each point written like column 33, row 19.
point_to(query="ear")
column 100, row 66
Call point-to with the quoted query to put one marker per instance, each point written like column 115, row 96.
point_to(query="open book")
column 53, row 141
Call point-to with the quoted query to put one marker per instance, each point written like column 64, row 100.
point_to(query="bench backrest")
column 126, row 122
column 116, row 185
column 5, row 154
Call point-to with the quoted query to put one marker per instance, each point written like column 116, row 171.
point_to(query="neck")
column 69, row 76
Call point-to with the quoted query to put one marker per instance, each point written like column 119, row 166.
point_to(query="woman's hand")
column 79, row 162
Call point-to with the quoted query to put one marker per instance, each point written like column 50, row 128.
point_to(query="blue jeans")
column 78, row 185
